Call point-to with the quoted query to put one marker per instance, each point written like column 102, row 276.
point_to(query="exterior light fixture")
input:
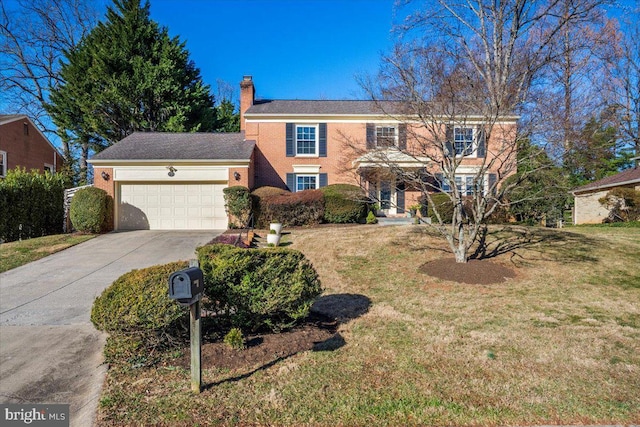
column 105, row 176
column 236, row 175
column 172, row 170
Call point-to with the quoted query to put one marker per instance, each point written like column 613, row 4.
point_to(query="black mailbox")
column 186, row 285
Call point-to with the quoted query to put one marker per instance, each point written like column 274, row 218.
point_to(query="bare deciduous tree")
column 463, row 70
column 33, row 38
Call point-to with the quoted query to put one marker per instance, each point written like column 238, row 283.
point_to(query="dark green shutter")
column 492, row 181
column 322, row 140
column 481, row 142
column 449, row 142
column 324, row 181
column 439, row 180
column 291, row 127
column 291, row 182
column 402, row 136
column 400, row 197
column 371, row 136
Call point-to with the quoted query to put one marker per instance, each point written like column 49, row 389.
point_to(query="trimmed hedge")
column 91, row 210
column 344, row 203
column 258, row 289
column 139, row 316
column 237, row 202
column 443, row 205
column 31, row 205
column 273, row 204
column 259, row 197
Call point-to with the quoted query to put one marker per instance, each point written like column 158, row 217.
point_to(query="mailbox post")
column 186, row 287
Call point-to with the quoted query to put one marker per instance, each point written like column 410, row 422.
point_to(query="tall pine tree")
column 128, row 75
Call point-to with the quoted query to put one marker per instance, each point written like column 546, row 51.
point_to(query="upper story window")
column 463, row 141
column 386, row 136
column 3, row 163
column 306, row 140
column 25, row 128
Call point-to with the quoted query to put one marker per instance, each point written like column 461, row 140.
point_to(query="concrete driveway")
column 49, row 350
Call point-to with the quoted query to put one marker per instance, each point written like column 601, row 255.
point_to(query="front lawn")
column 557, row 344
column 15, row 254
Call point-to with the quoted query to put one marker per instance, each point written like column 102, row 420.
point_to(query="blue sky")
column 305, row 49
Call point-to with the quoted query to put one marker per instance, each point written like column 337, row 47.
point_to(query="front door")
column 387, row 197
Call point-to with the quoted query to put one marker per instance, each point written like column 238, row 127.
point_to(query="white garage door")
column 186, row 206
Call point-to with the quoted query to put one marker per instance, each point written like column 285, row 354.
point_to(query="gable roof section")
column 9, row 118
column 628, row 176
column 286, row 107
column 143, row 146
column 280, row 106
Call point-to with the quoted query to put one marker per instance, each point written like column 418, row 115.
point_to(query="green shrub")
column 91, row 210
column 623, row 205
column 138, row 314
column 292, row 209
column 443, row 205
column 237, row 202
column 371, row 218
column 259, row 197
column 234, row 339
column 258, row 289
column 31, row 204
column 344, row 203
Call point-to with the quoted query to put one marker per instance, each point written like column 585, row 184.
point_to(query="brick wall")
column 26, row 147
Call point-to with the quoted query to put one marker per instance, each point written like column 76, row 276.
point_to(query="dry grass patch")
column 557, row 344
column 15, row 254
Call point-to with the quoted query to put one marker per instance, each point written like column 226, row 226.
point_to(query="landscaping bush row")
column 444, row 206
column 338, row 203
column 250, row 289
column 258, row 289
column 139, row 316
column 31, row 205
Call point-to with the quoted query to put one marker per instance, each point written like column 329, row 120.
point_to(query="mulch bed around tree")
column 474, row 272
column 317, row 333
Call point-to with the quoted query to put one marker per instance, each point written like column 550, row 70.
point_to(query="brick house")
column 23, row 145
column 587, row 208
column 293, row 144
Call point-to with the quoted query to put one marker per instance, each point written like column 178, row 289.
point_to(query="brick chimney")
column 247, row 96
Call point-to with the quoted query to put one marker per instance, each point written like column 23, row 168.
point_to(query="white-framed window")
column 307, row 182
column 463, row 141
column 49, row 168
column 386, row 136
column 306, row 140
column 3, row 163
column 464, row 184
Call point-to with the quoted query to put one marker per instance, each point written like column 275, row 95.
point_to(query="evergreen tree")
column 595, row 154
column 128, row 75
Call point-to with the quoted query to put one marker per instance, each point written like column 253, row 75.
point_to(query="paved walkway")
column 49, row 350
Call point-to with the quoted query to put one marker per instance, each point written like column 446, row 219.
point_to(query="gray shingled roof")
column 627, row 176
column 281, row 106
column 179, row 146
column 295, row 107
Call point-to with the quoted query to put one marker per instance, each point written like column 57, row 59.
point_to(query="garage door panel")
column 188, row 206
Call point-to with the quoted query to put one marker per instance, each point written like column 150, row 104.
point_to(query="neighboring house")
column 23, row 145
column 168, row 181
column 587, row 208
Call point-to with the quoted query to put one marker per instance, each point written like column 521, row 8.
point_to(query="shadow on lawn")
column 536, row 244
column 327, row 313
